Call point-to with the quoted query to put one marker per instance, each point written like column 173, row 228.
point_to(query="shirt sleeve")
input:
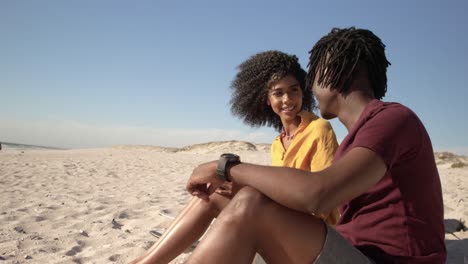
column 392, row 133
column 276, row 151
column 326, row 144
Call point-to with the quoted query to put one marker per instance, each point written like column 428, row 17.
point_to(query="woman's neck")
column 290, row 126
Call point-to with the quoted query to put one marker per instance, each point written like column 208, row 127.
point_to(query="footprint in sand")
column 112, row 174
column 116, row 225
column 73, row 251
column 70, row 166
column 114, row 257
column 40, row 218
column 100, row 207
column 35, row 237
column 123, row 215
column 20, row 230
column 77, row 260
column 167, row 213
column 76, row 249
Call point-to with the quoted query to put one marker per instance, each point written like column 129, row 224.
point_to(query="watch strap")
column 224, row 161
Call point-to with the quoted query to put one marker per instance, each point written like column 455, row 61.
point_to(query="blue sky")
column 79, row 74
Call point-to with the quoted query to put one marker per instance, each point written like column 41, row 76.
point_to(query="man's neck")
column 351, row 108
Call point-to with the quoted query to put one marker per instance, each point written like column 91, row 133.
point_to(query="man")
column 380, row 173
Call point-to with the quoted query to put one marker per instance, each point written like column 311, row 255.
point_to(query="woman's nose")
column 286, row 97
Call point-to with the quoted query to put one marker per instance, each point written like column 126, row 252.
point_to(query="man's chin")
column 327, row 116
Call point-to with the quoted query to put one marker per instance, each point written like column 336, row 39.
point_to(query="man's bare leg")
column 188, row 226
column 252, row 222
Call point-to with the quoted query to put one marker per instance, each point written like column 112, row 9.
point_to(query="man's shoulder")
column 392, row 110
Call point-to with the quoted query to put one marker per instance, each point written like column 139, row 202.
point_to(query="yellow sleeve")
column 277, row 152
column 326, row 144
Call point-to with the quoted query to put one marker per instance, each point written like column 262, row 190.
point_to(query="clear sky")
column 79, row 74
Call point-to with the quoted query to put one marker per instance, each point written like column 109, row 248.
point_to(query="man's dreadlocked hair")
column 337, row 57
column 255, row 77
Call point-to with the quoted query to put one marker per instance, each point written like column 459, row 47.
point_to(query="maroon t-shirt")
column 399, row 219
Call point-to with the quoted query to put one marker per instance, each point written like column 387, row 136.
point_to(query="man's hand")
column 204, row 180
column 228, row 189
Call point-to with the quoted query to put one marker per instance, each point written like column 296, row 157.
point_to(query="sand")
column 98, row 205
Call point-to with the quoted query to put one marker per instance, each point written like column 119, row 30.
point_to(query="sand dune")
column 97, row 205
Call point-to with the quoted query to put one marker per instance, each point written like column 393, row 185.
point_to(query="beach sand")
column 98, row 205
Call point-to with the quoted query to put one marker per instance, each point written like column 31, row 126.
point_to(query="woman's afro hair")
column 255, row 77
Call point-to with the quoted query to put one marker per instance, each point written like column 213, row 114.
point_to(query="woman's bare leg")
column 188, row 226
column 252, row 222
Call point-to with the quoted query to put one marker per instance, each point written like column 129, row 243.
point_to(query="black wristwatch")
column 225, row 160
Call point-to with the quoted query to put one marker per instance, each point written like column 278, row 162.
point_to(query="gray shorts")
column 338, row 250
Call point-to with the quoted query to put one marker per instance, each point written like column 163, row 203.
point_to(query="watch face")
column 230, row 156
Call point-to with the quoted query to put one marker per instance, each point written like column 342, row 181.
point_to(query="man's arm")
column 312, row 192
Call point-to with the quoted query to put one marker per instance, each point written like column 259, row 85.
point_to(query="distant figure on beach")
column 384, row 178
column 269, row 89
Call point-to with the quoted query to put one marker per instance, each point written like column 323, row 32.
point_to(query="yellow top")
column 312, row 149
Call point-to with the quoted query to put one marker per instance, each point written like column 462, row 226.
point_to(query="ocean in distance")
column 18, row 146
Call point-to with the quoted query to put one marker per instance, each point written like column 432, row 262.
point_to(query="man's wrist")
column 228, row 170
column 225, row 162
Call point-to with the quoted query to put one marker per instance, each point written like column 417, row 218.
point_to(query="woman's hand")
column 204, row 180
